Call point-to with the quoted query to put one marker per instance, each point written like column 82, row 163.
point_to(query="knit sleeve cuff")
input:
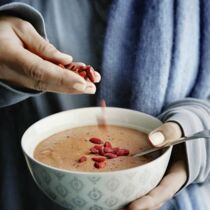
column 190, row 123
column 27, row 13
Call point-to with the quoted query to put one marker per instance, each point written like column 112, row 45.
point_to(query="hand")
column 27, row 60
column 175, row 176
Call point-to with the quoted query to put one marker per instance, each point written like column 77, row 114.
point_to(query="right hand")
column 29, row 61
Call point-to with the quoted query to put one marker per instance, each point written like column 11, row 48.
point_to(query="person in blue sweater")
column 153, row 56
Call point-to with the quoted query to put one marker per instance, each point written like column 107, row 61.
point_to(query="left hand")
column 27, row 60
column 175, row 176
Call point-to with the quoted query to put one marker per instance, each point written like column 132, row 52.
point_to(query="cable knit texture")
column 156, row 52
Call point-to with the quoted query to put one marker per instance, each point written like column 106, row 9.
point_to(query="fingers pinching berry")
column 85, row 71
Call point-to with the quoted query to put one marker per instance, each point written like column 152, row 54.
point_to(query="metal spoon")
column 202, row 134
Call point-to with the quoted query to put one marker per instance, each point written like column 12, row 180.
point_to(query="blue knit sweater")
column 157, row 52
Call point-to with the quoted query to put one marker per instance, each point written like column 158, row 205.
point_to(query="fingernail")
column 80, row 63
column 157, row 138
column 79, row 87
column 90, row 90
column 97, row 77
column 67, row 58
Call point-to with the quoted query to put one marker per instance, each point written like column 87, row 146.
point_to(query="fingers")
column 38, row 45
column 169, row 130
column 44, row 75
column 169, row 185
column 24, row 81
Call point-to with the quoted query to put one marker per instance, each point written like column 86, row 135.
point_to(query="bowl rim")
column 167, row 150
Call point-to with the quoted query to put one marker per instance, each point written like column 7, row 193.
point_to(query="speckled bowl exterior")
column 93, row 190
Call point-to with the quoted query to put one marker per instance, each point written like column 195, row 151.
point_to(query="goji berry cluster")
column 103, row 150
column 87, row 72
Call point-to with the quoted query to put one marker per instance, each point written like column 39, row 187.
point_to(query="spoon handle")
column 202, row 134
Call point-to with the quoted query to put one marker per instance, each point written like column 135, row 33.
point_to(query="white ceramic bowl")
column 93, row 190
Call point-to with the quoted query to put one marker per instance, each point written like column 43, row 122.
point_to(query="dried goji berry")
column 122, row 152
column 81, row 68
column 108, row 150
column 103, row 103
column 110, row 155
column 98, row 147
column 102, row 122
column 90, row 73
column 100, row 164
column 82, row 159
column 95, row 140
column 99, row 159
column 83, row 74
column 115, row 150
column 107, row 144
column 101, row 151
column 73, row 68
column 93, row 150
column 83, row 71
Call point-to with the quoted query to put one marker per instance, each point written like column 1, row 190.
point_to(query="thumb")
column 38, row 45
column 169, row 130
